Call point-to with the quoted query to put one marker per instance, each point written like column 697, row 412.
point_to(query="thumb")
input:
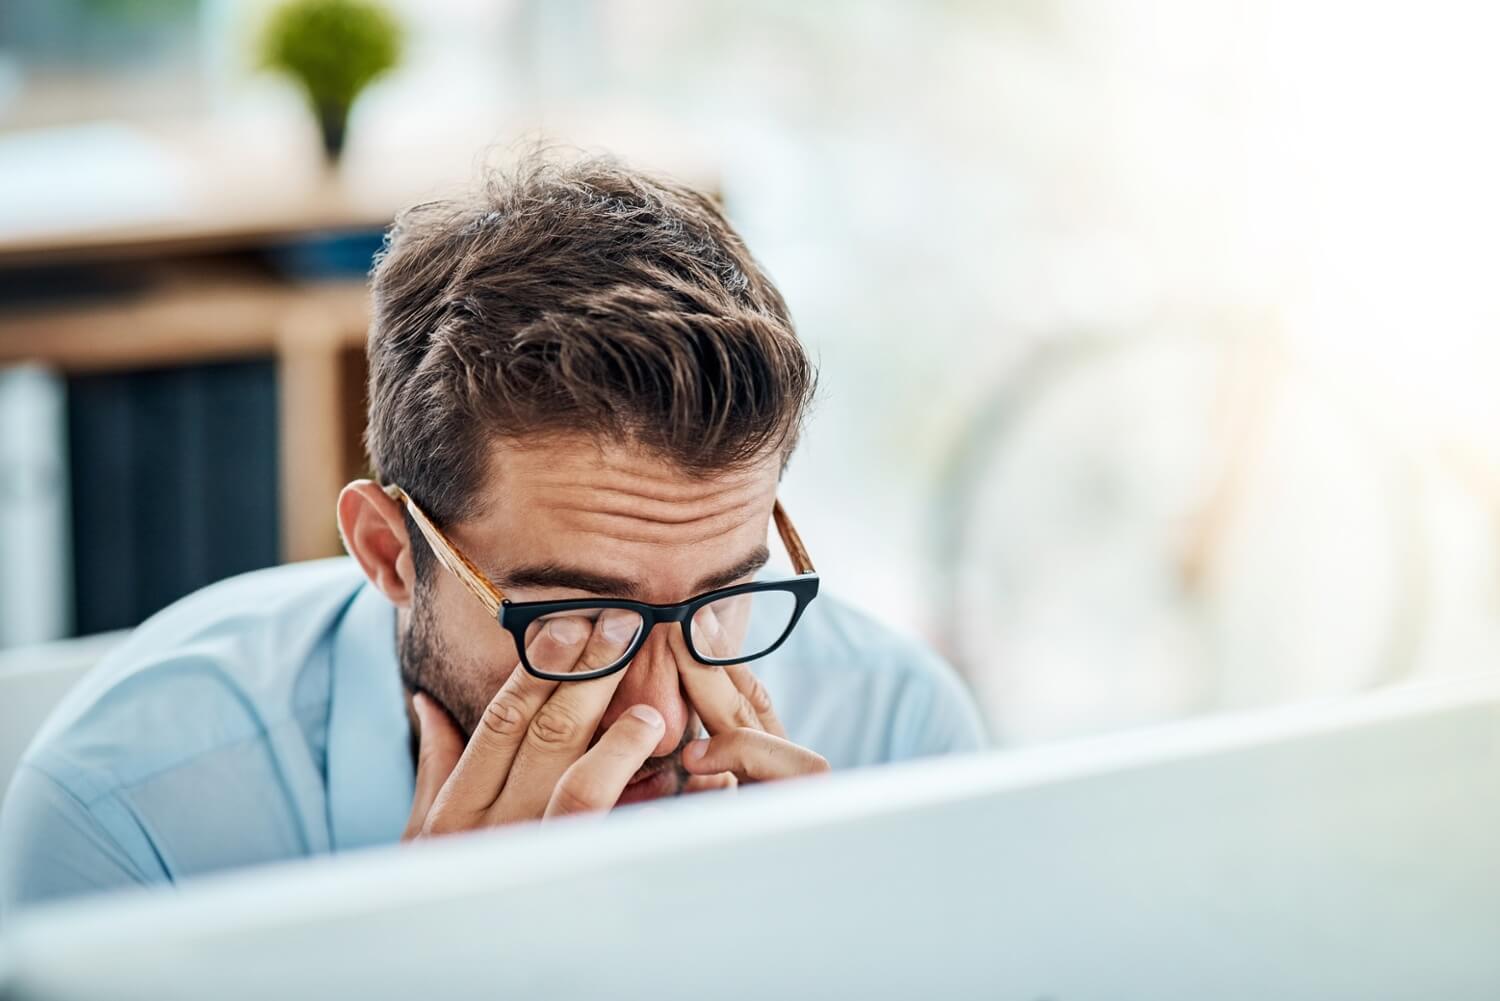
column 439, row 745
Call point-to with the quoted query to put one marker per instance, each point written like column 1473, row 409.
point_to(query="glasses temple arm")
column 448, row 554
column 801, row 562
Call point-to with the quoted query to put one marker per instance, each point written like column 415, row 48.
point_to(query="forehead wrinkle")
column 623, row 479
column 659, row 491
column 668, row 515
column 632, row 528
column 623, row 502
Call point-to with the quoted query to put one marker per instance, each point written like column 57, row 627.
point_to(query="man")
column 583, row 392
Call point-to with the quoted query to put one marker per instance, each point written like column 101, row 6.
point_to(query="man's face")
column 578, row 518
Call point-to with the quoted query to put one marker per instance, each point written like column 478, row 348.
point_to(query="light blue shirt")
column 262, row 719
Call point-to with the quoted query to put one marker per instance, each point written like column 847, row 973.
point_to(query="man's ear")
column 374, row 532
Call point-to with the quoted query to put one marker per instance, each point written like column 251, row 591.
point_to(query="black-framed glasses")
column 587, row 638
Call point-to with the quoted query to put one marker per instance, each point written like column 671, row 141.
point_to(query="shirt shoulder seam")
column 61, row 785
column 116, row 785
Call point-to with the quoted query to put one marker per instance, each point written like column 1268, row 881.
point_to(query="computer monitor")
column 1341, row 851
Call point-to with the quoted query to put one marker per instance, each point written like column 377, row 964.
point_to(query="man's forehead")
column 617, row 520
column 579, row 478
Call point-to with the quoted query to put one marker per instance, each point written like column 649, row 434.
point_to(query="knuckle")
column 595, row 656
column 757, row 695
column 726, row 748
column 575, row 794
column 555, row 727
column 744, row 713
column 504, row 717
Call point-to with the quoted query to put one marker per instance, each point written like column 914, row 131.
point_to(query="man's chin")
column 659, row 785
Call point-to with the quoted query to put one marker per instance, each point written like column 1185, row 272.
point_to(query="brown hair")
column 574, row 297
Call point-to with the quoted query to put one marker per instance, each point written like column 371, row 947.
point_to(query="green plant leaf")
column 334, row 48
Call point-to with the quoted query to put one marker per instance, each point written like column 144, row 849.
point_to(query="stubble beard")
column 428, row 666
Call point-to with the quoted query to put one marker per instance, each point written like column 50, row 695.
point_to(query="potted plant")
column 333, row 48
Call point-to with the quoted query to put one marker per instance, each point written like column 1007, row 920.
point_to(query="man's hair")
column 571, row 297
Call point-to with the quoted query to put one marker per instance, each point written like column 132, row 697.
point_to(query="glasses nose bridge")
column 665, row 615
column 660, row 616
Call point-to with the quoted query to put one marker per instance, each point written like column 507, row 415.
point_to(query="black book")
column 175, row 485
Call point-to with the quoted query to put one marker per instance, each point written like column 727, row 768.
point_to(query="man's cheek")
column 477, row 681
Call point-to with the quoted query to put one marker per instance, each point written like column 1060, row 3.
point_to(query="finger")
column 717, row 627
column 595, row 781
column 752, row 755
column 613, row 632
column 439, row 746
column 711, row 783
column 717, row 633
column 563, row 726
column 720, row 705
column 585, row 641
column 486, row 763
column 754, row 690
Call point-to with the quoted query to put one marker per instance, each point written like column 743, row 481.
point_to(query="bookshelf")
column 214, row 296
column 242, row 266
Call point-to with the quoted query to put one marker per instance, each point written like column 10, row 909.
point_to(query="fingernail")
column 694, row 750
column 567, row 631
column 648, row 716
column 419, row 704
column 619, row 628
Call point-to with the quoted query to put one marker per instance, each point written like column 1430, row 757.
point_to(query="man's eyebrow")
column 553, row 575
column 758, row 558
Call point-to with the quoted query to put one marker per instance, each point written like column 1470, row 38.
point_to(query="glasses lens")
column 742, row 626
column 580, row 640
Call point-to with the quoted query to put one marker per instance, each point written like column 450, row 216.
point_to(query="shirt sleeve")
column 936, row 714
column 52, row 846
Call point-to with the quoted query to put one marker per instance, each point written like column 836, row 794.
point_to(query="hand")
column 529, row 757
column 747, row 742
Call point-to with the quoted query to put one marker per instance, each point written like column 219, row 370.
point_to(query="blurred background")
column 1158, row 340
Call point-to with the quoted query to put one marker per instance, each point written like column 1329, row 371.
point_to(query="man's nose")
column 651, row 679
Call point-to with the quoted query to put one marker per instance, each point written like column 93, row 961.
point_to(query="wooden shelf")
column 195, row 278
column 185, row 324
column 315, row 332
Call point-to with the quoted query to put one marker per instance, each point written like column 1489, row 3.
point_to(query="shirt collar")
column 371, row 776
